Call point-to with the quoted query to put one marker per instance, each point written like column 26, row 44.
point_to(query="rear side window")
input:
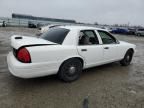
column 56, row 35
column 88, row 37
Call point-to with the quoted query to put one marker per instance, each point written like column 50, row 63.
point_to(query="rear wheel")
column 127, row 58
column 70, row 70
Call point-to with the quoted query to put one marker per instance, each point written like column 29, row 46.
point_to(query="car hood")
column 18, row 41
column 123, row 42
column 126, row 43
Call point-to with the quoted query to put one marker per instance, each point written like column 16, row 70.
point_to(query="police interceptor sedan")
column 66, row 51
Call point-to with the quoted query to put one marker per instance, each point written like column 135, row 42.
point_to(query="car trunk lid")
column 18, row 41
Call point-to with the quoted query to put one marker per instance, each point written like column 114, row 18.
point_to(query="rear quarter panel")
column 52, row 55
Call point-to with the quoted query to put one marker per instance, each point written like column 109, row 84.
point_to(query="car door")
column 111, row 47
column 89, row 48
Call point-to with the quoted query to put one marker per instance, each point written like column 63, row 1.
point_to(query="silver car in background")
column 140, row 32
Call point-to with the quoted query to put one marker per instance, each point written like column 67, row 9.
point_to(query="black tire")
column 127, row 58
column 70, row 70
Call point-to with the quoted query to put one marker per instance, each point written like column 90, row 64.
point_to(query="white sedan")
column 66, row 51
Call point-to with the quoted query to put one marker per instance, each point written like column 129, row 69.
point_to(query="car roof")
column 81, row 28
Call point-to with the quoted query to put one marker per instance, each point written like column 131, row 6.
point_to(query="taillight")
column 23, row 55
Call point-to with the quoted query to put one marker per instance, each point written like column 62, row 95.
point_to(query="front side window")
column 106, row 37
column 56, row 35
column 88, row 37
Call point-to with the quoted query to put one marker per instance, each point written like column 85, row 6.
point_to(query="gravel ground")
column 107, row 86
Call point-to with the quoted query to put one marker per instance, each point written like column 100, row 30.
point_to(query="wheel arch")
column 128, row 49
column 131, row 49
column 79, row 58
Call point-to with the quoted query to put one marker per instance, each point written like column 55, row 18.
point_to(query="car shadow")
column 53, row 79
column 102, row 67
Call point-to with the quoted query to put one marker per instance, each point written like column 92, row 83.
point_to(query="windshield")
column 56, row 35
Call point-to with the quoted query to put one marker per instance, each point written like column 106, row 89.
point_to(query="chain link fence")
column 12, row 22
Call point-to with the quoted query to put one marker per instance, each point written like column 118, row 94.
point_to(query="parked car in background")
column 32, row 24
column 66, row 51
column 3, row 24
column 131, row 31
column 107, row 29
column 120, row 31
column 44, row 29
column 140, row 32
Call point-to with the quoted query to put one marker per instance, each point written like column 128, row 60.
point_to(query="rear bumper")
column 30, row 70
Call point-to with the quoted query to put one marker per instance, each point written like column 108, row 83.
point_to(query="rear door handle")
column 83, row 49
column 106, row 47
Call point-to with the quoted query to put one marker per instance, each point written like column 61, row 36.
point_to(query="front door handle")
column 83, row 49
column 106, row 47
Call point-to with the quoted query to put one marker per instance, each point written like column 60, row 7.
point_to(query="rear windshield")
column 56, row 35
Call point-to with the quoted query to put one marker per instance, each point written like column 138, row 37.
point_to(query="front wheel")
column 127, row 58
column 70, row 70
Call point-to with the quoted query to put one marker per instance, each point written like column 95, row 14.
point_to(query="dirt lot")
column 107, row 86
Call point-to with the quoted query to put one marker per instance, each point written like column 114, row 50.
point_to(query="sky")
column 87, row 11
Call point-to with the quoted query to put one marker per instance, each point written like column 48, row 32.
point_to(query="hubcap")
column 128, row 58
column 72, row 70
